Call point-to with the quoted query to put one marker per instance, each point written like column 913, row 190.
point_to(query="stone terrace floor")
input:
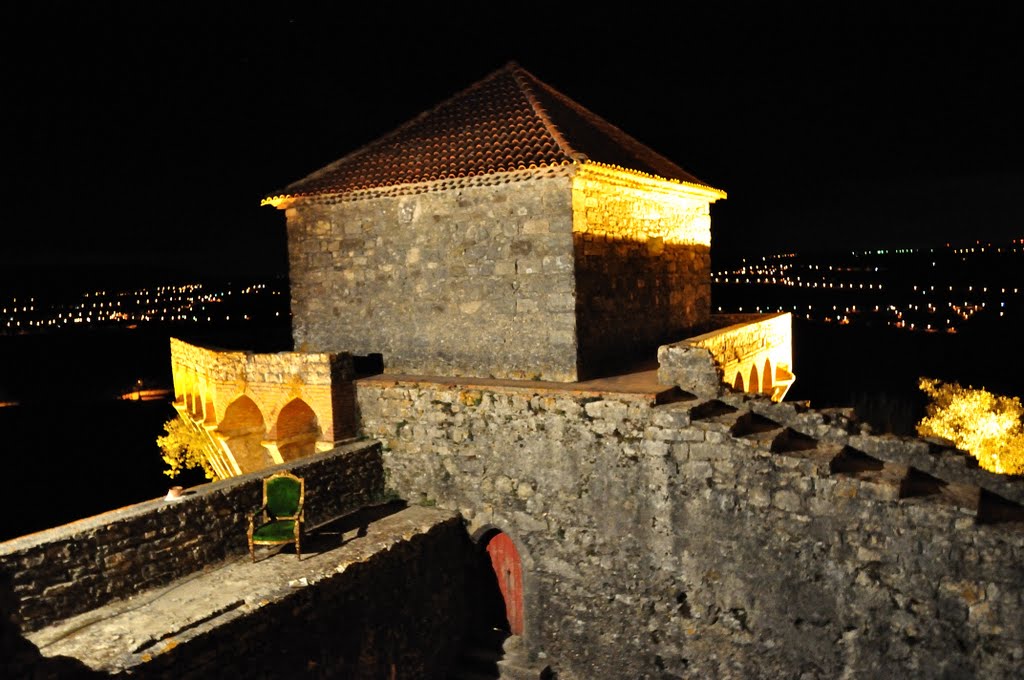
column 121, row 634
column 639, row 380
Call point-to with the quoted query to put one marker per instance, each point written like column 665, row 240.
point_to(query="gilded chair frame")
column 268, row 518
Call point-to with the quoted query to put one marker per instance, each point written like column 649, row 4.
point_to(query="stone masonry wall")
column 725, row 538
column 643, row 263
column 400, row 614
column 742, row 346
column 469, row 281
column 76, row 567
column 207, row 380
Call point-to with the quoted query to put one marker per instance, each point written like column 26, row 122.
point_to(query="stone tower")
column 508, row 232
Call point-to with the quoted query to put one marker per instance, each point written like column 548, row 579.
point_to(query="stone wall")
column 76, row 567
column 750, row 353
column 643, row 263
column 727, row 538
column 399, row 614
column 470, row 281
column 263, row 409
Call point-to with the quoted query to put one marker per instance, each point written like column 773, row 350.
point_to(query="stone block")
column 786, row 500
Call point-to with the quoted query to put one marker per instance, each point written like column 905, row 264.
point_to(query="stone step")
column 754, row 427
column 812, row 460
column 496, row 655
column 993, row 508
column 886, row 480
column 713, row 410
column 673, row 395
column 512, row 669
column 876, row 478
column 789, row 441
column 940, row 460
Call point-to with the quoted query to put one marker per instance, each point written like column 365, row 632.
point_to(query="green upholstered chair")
column 279, row 520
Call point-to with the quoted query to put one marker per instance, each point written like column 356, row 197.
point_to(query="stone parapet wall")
column 207, row 380
column 228, row 366
column 472, row 281
column 729, row 537
column 749, row 352
column 76, row 567
column 643, row 263
column 294, row 403
column 736, row 338
column 399, row 613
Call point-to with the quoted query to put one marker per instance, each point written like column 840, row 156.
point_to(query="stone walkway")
column 126, row 633
column 640, row 380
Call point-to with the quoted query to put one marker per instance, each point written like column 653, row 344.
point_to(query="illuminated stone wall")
column 263, row 409
column 719, row 538
column 528, row 279
column 643, row 265
column 470, row 281
column 751, row 353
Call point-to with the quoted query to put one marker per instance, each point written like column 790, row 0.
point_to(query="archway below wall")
column 243, row 430
column 297, row 430
column 507, row 569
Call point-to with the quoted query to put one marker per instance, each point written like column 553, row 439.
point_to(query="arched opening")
column 243, row 430
column 297, row 430
column 196, row 405
column 737, row 384
column 180, row 393
column 208, row 412
column 507, row 570
column 767, row 383
column 753, row 380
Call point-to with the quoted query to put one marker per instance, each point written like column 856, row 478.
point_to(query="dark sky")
column 141, row 136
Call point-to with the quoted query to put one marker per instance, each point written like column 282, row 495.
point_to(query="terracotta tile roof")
column 509, row 122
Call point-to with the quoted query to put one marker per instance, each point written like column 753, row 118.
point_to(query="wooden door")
column 509, row 571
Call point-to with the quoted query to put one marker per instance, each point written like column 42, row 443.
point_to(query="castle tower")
column 508, row 232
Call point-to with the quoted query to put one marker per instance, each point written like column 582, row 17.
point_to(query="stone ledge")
column 67, row 570
column 125, row 636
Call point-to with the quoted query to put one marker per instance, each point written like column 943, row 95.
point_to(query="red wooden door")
column 509, row 570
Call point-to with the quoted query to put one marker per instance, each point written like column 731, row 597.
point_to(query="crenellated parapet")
column 718, row 536
column 642, row 254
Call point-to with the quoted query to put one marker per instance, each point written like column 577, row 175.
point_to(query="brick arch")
column 297, row 430
column 242, row 431
column 737, row 384
column 767, row 383
column 753, row 386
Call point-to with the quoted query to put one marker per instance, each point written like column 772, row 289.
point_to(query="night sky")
column 140, row 140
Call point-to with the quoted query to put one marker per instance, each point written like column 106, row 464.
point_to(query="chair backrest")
column 283, row 493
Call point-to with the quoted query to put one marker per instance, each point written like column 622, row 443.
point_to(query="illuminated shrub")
column 986, row 425
column 186, row 446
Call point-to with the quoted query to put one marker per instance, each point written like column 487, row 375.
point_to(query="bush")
column 986, row 425
column 185, row 446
